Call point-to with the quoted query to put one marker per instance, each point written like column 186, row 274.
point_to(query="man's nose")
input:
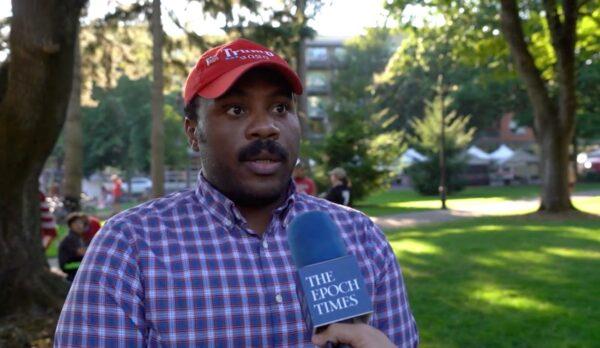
column 263, row 126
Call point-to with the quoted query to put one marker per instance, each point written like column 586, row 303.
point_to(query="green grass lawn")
column 503, row 281
column 52, row 250
column 406, row 201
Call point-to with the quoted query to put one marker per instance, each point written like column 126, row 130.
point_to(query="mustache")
column 256, row 147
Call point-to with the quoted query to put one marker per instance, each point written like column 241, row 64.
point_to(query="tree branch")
column 194, row 38
column 566, row 69
column 554, row 23
column 525, row 65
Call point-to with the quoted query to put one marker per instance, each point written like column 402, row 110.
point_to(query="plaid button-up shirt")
column 185, row 270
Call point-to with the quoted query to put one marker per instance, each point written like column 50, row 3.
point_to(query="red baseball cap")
column 218, row 69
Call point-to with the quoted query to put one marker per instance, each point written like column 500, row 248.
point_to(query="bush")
column 426, row 176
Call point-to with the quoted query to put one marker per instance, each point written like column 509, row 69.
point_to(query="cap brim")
column 222, row 83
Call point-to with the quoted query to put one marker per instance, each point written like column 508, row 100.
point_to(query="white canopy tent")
column 478, row 153
column 502, row 154
column 476, row 156
column 411, row 156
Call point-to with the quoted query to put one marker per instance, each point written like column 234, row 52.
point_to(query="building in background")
column 507, row 131
column 324, row 55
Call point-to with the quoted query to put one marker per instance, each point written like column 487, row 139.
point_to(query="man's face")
column 252, row 138
column 299, row 172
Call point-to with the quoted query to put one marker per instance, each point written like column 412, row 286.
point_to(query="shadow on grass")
column 499, row 282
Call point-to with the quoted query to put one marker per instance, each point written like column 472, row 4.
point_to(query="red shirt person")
column 47, row 223
column 303, row 183
column 93, row 226
column 116, row 190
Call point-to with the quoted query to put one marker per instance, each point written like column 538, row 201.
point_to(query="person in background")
column 304, row 184
column 117, row 192
column 340, row 189
column 73, row 246
column 47, row 223
column 93, row 226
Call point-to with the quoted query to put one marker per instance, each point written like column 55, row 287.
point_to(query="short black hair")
column 75, row 216
column 191, row 108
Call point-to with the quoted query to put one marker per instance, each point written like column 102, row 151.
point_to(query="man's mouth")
column 263, row 166
column 263, row 157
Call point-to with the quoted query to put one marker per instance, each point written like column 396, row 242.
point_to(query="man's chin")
column 263, row 195
column 256, row 199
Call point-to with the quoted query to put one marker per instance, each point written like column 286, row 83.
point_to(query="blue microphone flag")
column 330, row 284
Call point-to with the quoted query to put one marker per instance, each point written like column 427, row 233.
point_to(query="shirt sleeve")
column 105, row 304
column 392, row 314
column 67, row 252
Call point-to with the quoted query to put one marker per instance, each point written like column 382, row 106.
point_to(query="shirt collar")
column 225, row 210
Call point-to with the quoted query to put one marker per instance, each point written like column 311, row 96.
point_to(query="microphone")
column 330, row 285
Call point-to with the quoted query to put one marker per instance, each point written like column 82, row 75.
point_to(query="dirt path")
column 466, row 211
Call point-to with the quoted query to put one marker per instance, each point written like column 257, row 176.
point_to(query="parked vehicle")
column 139, row 185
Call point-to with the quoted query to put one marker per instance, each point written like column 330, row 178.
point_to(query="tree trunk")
column 301, row 68
column 553, row 119
column 157, row 142
column 32, row 112
column 74, row 141
column 554, row 163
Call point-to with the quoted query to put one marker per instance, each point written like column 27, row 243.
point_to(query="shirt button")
column 278, row 298
column 265, row 244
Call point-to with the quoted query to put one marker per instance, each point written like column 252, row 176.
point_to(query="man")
column 211, row 266
column 72, row 248
column 117, row 193
column 340, row 190
column 303, row 183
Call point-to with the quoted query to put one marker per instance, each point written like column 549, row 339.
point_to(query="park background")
column 407, row 96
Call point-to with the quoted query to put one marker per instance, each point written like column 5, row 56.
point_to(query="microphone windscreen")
column 313, row 237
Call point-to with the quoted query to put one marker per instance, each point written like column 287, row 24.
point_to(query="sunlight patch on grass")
column 488, row 261
column 573, row 253
column 495, row 206
column 415, row 247
column 495, row 295
column 489, row 228
column 524, row 256
column 588, row 204
column 429, row 204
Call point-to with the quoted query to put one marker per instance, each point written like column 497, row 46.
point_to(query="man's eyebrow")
column 282, row 92
column 234, row 92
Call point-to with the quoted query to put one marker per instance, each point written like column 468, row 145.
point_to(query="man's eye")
column 235, row 110
column 281, row 108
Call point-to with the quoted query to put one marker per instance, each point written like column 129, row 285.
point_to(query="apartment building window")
column 317, row 54
column 516, row 129
column 340, row 54
column 317, row 80
column 316, row 106
column 317, row 127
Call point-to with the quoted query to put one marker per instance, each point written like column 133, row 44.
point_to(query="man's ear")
column 190, row 132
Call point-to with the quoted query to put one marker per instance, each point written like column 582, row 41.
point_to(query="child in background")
column 73, row 246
